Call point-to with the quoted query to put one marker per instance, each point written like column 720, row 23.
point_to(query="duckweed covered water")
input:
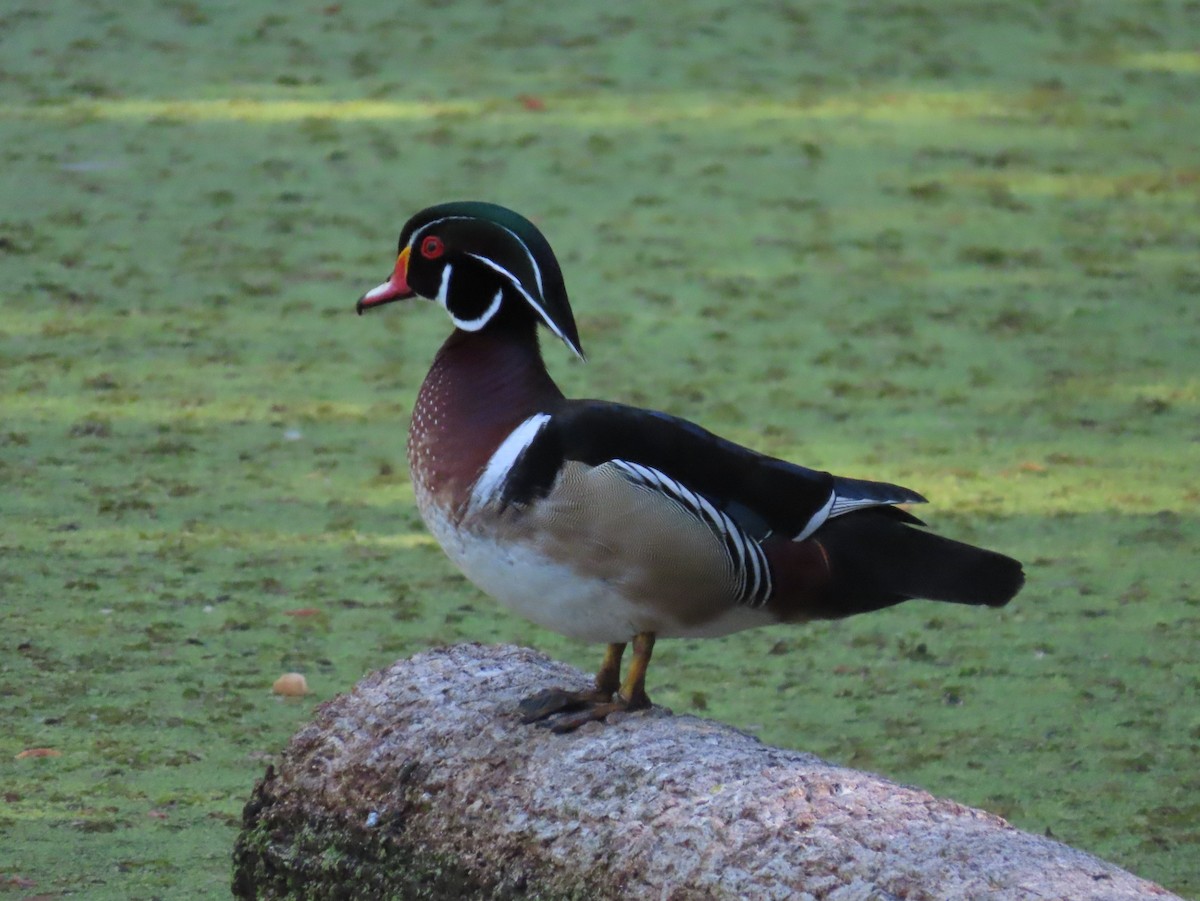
column 954, row 246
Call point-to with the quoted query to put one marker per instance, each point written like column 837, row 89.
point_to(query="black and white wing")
column 742, row 496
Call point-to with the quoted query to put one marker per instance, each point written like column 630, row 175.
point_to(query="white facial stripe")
column 490, row 482
column 515, row 282
column 474, row 325
column 467, row 325
column 412, row 242
column 444, row 288
column 537, row 272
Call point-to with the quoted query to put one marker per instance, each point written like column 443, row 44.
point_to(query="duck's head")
column 480, row 262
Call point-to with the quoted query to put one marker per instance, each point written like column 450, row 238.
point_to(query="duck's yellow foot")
column 594, row 705
column 559, row 700
column 595, row 713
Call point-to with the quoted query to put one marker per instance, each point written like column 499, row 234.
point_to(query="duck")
column 618, row 525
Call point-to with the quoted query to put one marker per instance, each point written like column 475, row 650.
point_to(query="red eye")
column 432, row 247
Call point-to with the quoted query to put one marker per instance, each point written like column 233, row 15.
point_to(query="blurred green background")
column 951, row 245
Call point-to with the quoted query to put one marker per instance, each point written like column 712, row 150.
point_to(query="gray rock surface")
column 423, row 783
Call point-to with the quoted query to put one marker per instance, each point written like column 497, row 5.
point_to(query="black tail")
column 877, row 560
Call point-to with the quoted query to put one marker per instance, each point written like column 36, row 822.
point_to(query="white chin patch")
column 467, row 325
column 474, row 325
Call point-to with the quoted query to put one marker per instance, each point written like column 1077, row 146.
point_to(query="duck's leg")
column 557, row 700
column 608, row 677
column 631, row 696
column 633, row 689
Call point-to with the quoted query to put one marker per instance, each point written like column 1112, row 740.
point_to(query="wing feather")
column 746, row 557
column 743, row 495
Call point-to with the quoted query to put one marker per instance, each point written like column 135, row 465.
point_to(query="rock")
column 423, row 783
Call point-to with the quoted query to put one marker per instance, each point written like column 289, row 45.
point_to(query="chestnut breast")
column 480, row 387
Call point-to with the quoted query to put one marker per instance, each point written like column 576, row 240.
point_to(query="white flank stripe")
column 817, row 519
column 488, row 486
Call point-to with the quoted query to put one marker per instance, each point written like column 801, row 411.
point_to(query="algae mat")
column 955, row 246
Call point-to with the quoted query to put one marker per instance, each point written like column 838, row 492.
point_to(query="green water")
column 955, row 246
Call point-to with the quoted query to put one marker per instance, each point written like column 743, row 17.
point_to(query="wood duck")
column 614, row 524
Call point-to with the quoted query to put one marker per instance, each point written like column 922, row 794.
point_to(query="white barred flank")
column 746, row 558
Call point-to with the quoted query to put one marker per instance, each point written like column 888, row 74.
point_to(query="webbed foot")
column 595, row 713
column 595, row 705
column 558, row 700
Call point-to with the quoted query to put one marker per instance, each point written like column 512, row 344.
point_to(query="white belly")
column 556, row 596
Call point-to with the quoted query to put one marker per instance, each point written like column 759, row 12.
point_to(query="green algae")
column 948, row 245
column 282, row 852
